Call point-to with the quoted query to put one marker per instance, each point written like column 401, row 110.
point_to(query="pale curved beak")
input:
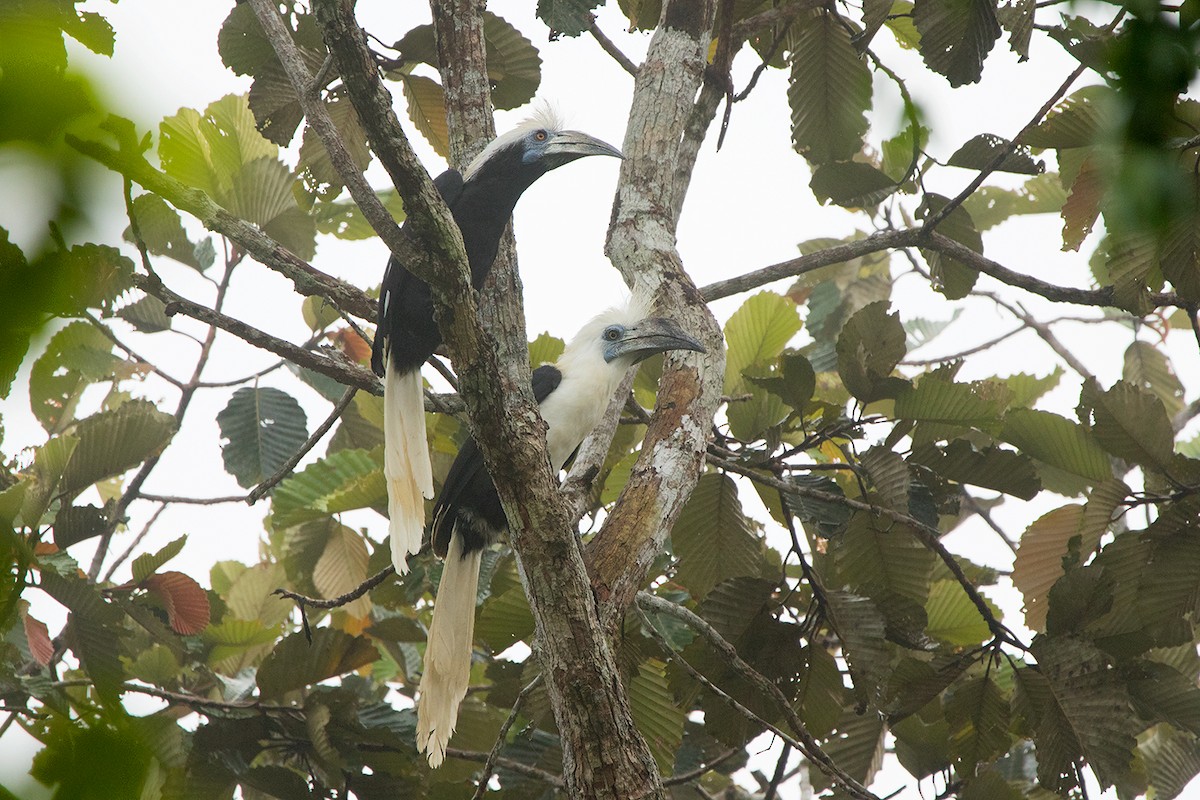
column 649, row 337
column 567, row 146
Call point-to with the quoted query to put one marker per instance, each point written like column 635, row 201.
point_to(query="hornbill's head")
column 644, row 338
column 533, row 148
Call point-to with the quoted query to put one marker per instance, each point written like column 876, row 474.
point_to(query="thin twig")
column 921, row 362
column 609, row 47
column 342, row 599
column 136, row 541
column 260, row 491
column 508, row 764
column 693, row 774
column 490, row 765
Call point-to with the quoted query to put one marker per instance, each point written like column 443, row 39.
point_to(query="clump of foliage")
column 863, row 625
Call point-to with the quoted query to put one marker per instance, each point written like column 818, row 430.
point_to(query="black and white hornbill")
column 467, row 517
column 481, row 199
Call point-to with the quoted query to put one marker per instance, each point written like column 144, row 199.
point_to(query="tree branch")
column 607, row 45
column 344, row 372
column 490, row 765
column 260, row 491
column 262, row 248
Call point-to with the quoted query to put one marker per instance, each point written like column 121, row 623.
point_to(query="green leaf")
column 320, row 176
column 950, row 276
column 344, row 219
column 1150, row 370
column 979, row 152
column 567, row 17
column 261, row 193
column 956, row 36
column 147, row 564
column 879, row 557
column 857, row 747
column 1131, row 424
column 76, row 357
column 1057, row 441
column 977, row 710
column 342, row 481
column 1039, row 561
column 755, row 335
column 953, row 618
column 869, row 347
column 713, row 538
column 991, row 205
column 545, row 349
column 74, row 524
column 294, row 663
column 208, row 151
column 890, row 476
column 113, row 441
column 148, row 315
column 829, row 89
column 1082, row 206
column 94, row 633
column 1075, row 122
column 342, row 567
column 1089, row 716
column 427, row 109
column 263, row 428
column 820, row 691
column 1172, row 760
column 1162, row 694
column 860, row 626
column 49, row 462
column 513, row 64
column 504, row 620
column 1027, row 389
column 657, row 716
column 851, row 184
column 992, row 468
column 161, row 230
column 936, row 399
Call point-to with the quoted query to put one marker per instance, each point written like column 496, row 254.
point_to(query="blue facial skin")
column 613, row 335
column 535, row 146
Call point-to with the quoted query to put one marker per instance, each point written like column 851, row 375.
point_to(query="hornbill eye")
column 540, row 136
column 612, row 333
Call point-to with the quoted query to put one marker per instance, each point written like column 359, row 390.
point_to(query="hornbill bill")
column 467, row 517
column 481, row 200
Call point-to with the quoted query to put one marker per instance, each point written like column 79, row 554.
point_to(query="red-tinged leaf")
column 1082, row 208
column 186, row 603
column 38, row 635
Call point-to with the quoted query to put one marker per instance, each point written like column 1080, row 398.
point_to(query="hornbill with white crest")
column 467, row 517
column 481, row 200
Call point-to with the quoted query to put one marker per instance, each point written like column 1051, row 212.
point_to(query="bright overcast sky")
column 748, row 207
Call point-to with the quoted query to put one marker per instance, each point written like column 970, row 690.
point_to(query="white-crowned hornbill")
column 481, row 199
column 467, row 517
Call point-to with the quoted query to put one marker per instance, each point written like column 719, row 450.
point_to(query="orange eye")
column 540, row 136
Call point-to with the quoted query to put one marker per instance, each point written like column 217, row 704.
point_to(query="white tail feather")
column 448, row 652
column 405, row 461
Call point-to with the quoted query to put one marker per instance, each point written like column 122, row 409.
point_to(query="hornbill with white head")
column 574, row 393
column 481, row 200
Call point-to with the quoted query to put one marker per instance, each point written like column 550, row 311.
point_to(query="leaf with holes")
column 1150, row 370
column 186, row 603
column 319, row 175
column 112, row 442
column 991, row 205
column 1131, row 424
column 829, row 89
column 956, row 36
column 992, row 467
column 294, row 663
column 1075, row 122
column 567, row 17
column 263, row 428
column 1040, row 555
column 713, row 538
column 978, row 712
column 979, row 152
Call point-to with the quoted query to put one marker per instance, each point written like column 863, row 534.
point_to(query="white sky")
column 748, row 207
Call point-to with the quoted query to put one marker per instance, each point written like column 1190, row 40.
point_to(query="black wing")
column 404, row 300
column 468, row 497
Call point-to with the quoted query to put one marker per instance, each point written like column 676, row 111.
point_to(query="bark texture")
column 641, row 244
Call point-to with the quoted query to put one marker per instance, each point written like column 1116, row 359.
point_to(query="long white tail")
column 448, row 653
column 405, row 461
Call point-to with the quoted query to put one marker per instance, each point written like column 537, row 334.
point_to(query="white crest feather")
column 544, row 117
